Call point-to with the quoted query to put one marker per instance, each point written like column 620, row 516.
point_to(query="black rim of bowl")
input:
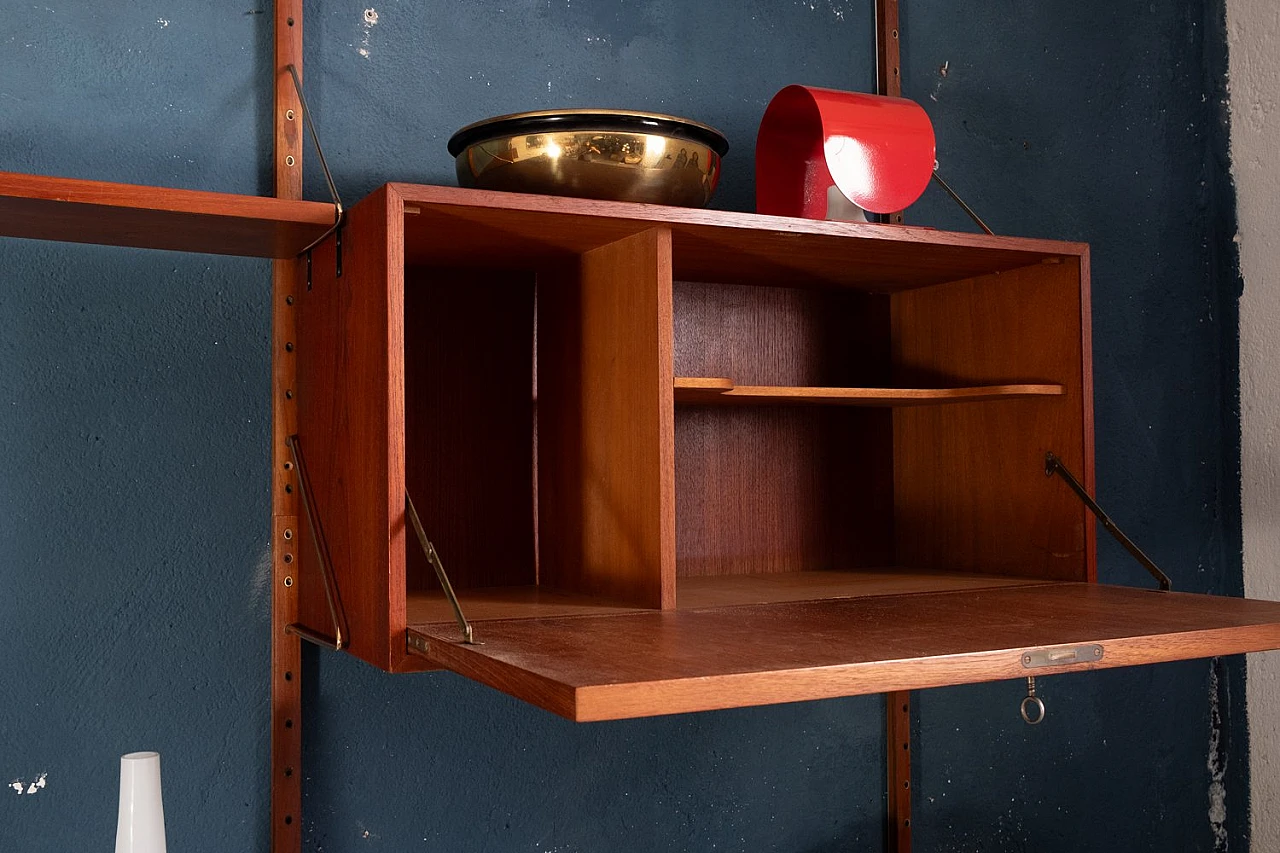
column 551, row 122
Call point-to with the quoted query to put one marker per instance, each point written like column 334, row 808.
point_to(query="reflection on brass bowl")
column 622, row 156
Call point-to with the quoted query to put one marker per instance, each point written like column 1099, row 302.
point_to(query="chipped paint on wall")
column 35, row 786
column 1217, row 761
column 369, row 21
column 1253, row 30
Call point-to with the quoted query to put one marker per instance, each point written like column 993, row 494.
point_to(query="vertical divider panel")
column 970, row 492
column 351, row 427
column 606, row 437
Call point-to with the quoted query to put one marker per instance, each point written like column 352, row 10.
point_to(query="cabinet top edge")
column 425, row 195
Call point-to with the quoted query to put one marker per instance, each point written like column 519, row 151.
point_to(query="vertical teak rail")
column 897, row 706
column 888, row 66
column 286, row 653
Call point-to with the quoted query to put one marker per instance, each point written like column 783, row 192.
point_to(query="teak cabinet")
column 678, row 460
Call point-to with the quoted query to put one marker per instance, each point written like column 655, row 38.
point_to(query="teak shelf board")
column 447, row 226
column 720, row 391
column 654, row 662
column 80, row 211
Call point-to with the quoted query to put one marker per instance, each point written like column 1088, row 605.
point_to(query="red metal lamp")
column 877, row 151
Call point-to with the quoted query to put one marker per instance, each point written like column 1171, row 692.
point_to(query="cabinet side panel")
column 606, row 495
column 970, row 492
column 469, row 424
column 350, row 425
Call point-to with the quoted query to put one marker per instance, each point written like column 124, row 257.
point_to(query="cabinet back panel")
column 780, row 489
column 781, row 336
column 469, row 421
column 969, row 483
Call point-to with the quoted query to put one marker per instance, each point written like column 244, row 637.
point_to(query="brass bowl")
column 621, row 156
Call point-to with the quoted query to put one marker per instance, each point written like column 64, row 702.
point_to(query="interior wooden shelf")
column 79, row 211
column 532, row 602
column 644, row 663
column 721, row 391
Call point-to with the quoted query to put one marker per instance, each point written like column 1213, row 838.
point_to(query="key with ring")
column 1032, row 707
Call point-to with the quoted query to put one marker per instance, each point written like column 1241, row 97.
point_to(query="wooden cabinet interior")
column 513, row 362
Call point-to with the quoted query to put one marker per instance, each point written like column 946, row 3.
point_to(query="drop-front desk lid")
column 646, row 662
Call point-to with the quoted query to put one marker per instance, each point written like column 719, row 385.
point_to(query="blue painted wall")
column 134, row 424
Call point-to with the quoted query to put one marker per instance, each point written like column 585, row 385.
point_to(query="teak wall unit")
column 674, row 460
column 679, row 460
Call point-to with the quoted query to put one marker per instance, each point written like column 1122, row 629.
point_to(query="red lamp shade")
column 878, row 151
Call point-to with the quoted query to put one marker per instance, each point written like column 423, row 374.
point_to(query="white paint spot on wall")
column 944, row 70
column 33, row 787
column 260, row 581
column 837, row 8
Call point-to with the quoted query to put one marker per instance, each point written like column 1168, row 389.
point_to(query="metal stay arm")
column 336, row 614
column 1053, row 465
column 433, row 558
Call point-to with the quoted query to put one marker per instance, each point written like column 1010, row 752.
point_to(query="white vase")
column 140, row 828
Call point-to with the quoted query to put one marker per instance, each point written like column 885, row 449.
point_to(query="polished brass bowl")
column 622, row 156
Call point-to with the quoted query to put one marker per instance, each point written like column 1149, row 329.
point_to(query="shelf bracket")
column 468, row 636
column 1053, row 465
column 338, row 211
column 339, row 618
column 966, row 208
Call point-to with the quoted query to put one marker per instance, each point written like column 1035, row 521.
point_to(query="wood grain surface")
column 460, row 227
column 606, row 507
column 969, row 486
column 287, row 280
column 79, row 211
column 350, row 361
column 773, row 587
column 538, row 602
column 655, row 662
column 713, row 391
column 782, row 489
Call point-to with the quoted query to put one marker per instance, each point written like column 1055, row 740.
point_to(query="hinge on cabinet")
column 433, row 558
column 338, row 211
column 1053, row 465
column 336, row 614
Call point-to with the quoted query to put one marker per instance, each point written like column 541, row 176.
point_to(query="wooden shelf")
column 645, row 663
column 719, row 391
column 78, row 211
